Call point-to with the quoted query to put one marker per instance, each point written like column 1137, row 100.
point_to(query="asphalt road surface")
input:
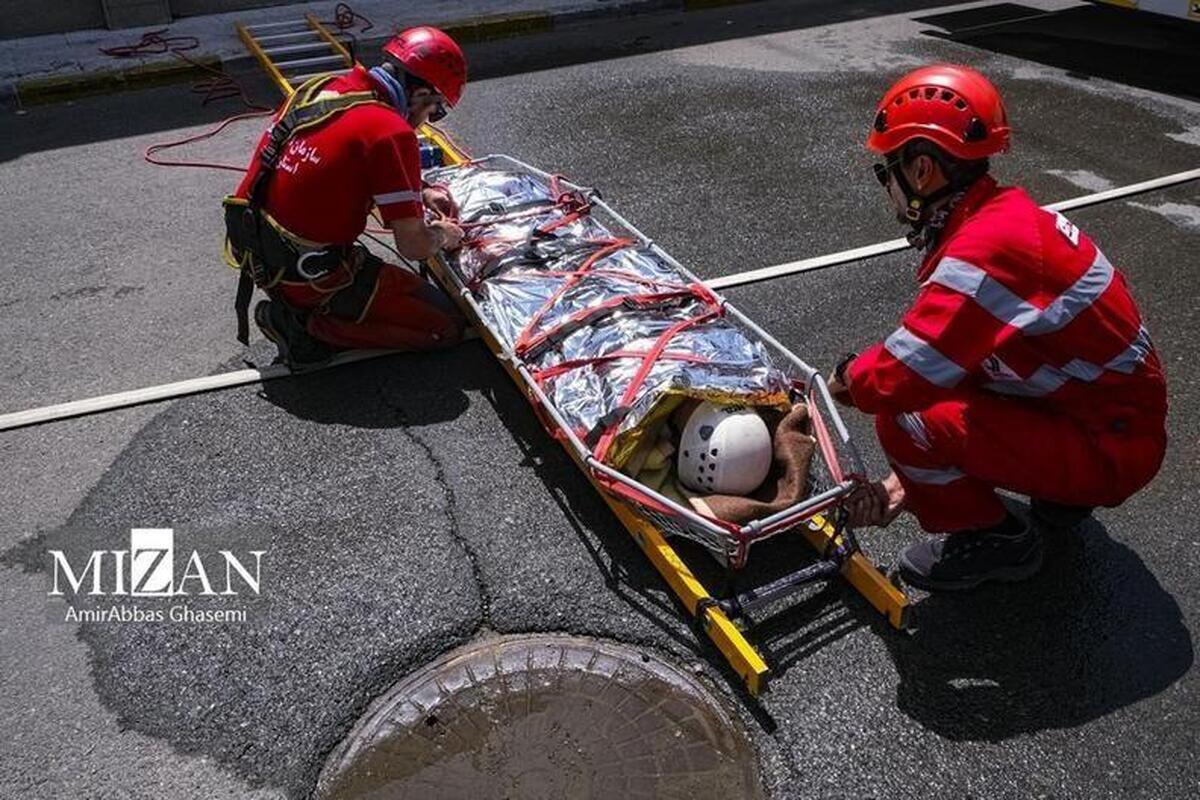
column 413, row 503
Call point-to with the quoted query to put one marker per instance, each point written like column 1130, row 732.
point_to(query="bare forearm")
column 421, row 243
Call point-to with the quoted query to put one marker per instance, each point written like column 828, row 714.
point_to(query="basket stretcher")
column 652, row 518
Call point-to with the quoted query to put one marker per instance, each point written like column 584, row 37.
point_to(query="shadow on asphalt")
column 359, row 397
column 134, row 113
column 1149, row 51
column 1092, row 633
column 363, row 395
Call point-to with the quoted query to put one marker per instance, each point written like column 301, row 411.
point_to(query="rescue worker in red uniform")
column 1022, row 364
column 337, row 147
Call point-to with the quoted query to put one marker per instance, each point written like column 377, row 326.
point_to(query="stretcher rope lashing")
column 648, row 361
column 572, row 279
column 568, row 366
column 573, row 202
column 593, row 314
column 528, row 344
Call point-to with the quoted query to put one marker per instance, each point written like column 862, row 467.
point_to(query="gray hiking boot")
column 1010, row 551
column 285, row 327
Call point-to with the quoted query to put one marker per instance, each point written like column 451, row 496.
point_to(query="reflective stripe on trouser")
column 403, row 312
column 952, row 456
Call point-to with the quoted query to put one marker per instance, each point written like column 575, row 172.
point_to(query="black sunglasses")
column 883, row 171
column 439, row 106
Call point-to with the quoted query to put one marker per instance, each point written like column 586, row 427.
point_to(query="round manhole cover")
column 555, row 717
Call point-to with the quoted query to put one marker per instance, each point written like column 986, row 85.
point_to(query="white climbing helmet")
column 724, row 450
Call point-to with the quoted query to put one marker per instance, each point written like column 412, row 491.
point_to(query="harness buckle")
column 319, row 270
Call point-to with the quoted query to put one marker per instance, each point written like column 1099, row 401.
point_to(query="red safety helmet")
column 432, row 56
column 952, row 106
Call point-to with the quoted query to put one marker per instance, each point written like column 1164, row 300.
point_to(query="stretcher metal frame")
column 816, row 518
column 836, row 545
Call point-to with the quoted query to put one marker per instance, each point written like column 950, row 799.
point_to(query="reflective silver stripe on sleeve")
column 1047, row 378
column 991, row 295
column 1075, row 300
column 923, row 358
column 397, row 197
column 1139, row 349
column 935, row 477
column 912, row 424
column 1006, row 306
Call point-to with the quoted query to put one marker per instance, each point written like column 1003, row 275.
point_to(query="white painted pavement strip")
column 895, row 245
column 108, row 402
column 166, row 391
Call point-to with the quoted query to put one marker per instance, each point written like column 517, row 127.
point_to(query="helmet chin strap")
column 392, row 86
column 917, row 206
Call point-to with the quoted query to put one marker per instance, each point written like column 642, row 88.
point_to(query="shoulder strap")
column 307, row 108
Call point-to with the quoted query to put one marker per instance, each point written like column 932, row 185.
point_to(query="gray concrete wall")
column 191, row 8
column 26, row 18
column 33, row 18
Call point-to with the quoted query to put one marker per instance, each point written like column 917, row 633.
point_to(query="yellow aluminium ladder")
column 294, row 51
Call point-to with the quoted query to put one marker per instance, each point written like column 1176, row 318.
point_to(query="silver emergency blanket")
column 526, row 239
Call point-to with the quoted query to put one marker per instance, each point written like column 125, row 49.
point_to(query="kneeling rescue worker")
column 338, row 146
column 1022, row 364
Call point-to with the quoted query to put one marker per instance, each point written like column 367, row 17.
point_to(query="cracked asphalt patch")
column 365, row 577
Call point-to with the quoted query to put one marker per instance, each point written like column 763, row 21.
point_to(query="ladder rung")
column 295, row 48
column 308, row 62
column 298, row 79
column 273, row 25
column 276, row 36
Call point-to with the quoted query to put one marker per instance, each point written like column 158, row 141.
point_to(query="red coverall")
column 322, row 191
column 1022, row 364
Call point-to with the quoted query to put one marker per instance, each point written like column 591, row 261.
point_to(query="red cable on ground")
column 153, row 43
column 219, row 86
column 159, row 146
column 344, row 17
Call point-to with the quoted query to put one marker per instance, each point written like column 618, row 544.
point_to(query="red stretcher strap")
column 821, row 433
column 550, row 373
column 523, row 340
column 592, row 313
column 573, row 202
column 648, row 362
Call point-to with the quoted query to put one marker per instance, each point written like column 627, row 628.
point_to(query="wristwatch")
column 839, row 371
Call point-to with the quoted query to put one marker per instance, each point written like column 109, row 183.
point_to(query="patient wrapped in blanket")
column 616, row 335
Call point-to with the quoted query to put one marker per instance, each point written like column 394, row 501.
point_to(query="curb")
column 60, row 88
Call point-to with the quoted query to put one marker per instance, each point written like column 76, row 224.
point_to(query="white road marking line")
column 895, row 245
column 109, row 402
